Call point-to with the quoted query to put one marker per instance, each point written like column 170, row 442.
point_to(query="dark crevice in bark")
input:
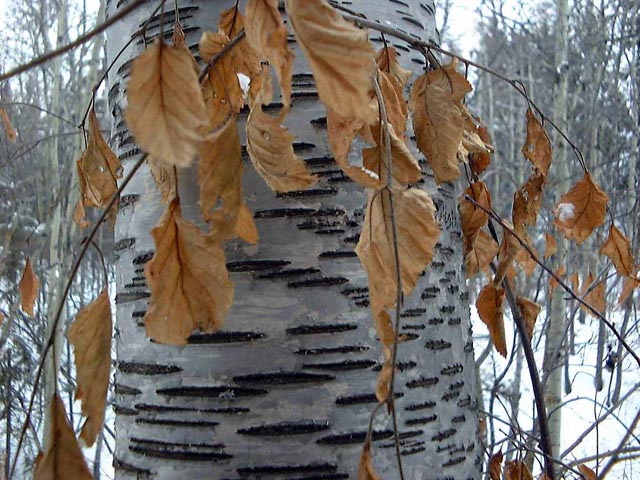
column 321, row 328
column 293, row 272
column 180, row 454
column 286, row 428
column 120, row 389
column 362, row 398
column 423, row 382
column 223, row 392
column 169, row 422
column 224, row 337
column 283, row 378
column 332, row 350
column 147, row 369
column 280, row 469
column 256, row 265
column 344, row 365
column 144, row 407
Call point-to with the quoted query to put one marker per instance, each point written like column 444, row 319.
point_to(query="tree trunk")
column 285, row 390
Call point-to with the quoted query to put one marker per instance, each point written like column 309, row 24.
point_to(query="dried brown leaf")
column 472, row 217
column 618, row 249
column 509, row 248
column 526, row 261
column 387, row 61
column 418, row 232
column 594, row 295
column 366, row 471
column 188, row 278
column 245, row 226
column 483, row 251
column 383, row 382
column 28, row 288
column 166, row 180
column 270, row 148
column 405, row 169
column 587, row 473
column 537, row 147
column 551, row 245
column 63, row 459
column 12, row 135
column 340, row 57
column 438, row 119
column 495, row 466
column 480, row 161
column 553, row 283
column 516, row 470
column 489, row 305
column 90, row 335
column 628, row 286
column 527, row 201
column 530, row 311
column 267, row 36
column 79, row 215
column 581, row 210
column 166, row 110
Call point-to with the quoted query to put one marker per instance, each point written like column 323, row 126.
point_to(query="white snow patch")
column 565, row 211
column 244, row 83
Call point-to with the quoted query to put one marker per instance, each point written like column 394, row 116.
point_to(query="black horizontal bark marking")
column 302, row 146
column 142, row 259
column 413, row 312
column 177, row 423
column 276, row 469
column 436, row 321
column 465, row 402
column 414, row 22
column 135, row 285
column 456, row 385
column 407, row 337
column 181, row 455
column 448, row 308
column 421, row 420
column 344, row 365
column 440, row 436
column 412, row 451
column 459, row 419
column 127, row 200
column 329, row 231
column 285, row 428
column 319, row 122
column 423, row 382
column 341, row 178
column 464, row 296
column 327, row 476
column 352, row 239
column 122, row 410
column 352, row 438
column 147, row 368
column 444, row 249
column 413, row 327
column 124, row 244
column 330, row 350
column 329, row 212
column 361, row 398
column 437, row 345
column 444, row 448
column 314, row 192
column 138, row 271
column 120, row 389
column 321, row 328
column 468, row 347
column 402, row 366
column 453, row 462
column 283, row 378
column 314, row 224
column 141, row 473
column 354, row 290
column 284, row 212
column 255, row 265
column 224, row 337
column 362, row 303
column 292, row 272
column 319, row 161
column 443, row 281
column 420, row 406
column 453, row 369
column 437, row 264
column 225, row 392
column 139, row 314
column 450, row 395
column 162, row 443
column 310, row 95
column 454, row 321
column 338, row 254
column 453, row 289
column 145, row 407
column 318, row 282
column 125, row 297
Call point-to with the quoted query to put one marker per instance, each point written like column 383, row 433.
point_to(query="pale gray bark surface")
column 285, row 390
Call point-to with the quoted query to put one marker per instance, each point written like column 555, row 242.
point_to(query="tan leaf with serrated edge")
column 383, row 382
column 524, row 259
column 530, row 311
column 395, row 105
column 495, row 466
column 267, row 35
column 471, row 140
column 188, row 279
column 516, row 470
column 165, row 108
column 509, row 248
column 472, row 217
column 245, row 226
column 165, row 177
column 527, row 201
column 581, row 210
column 90, row 335
column 387, row 61
column 28, row 288
column 98, row 168
column 438, row 121
column 618, row 249
column 63, row 459
column 12, row 135
column 483, row 251
column 221, row 90
column 480, row 161
column 340, row 57
column 587, row 473
column 179, row 40
column 551, row 246
column 489, row 305
column 79, row 215
column 594, row 295
column 418, row 232
column 537, row 147
column 270, row 148
column 365, row 467
column 405, row 167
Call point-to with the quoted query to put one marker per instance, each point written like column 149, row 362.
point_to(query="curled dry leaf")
column 628, row 286
column 188, row 278
column 165, row 111
column 527, row 201
column 509, row 248
column 516, row 470
column 495, row 466
column 383, row 382
column 551, row 245
column 220, row 181
column 587, row 473
column 28, row 288
column 489, row 305
column 63, row 459
column 365, row 467
column 581, row 210
column 418, row 232
column 90, row 335
column 340, row 56
column 166, row 179
column 438, row 120
column 480, row 161
column 472, row 217
column 223, row 97
column 526, row 261
column 594, row 293
column 267, row 36
column 387, row 61
column 79, row 215
column 12, row 135
column 271, row 151
column 483, row 251
column 530, row 311
column 618, row 249
column 405, row 169
column 537, row 147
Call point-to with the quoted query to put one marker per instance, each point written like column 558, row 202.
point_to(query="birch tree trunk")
column 285, row 390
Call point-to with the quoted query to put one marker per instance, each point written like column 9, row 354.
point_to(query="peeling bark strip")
column 285, row 390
